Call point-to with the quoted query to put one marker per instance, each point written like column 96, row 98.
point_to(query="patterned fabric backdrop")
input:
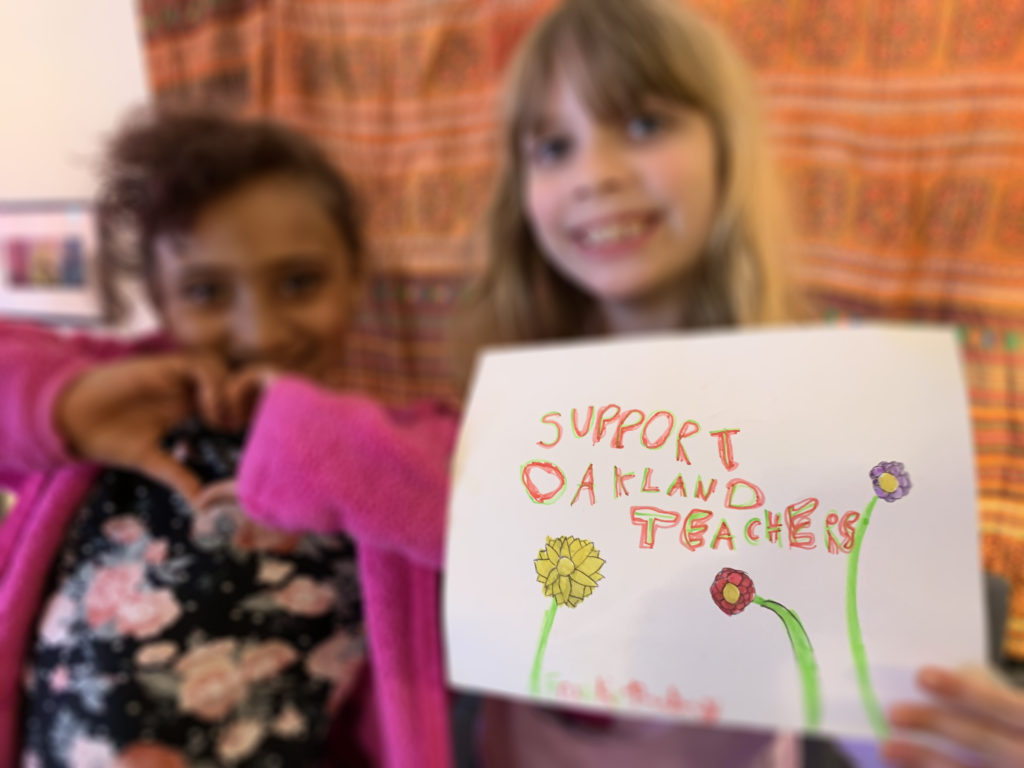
column 900, row 124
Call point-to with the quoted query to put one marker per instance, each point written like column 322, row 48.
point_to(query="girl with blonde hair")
column 637, row 195
column 648, row 74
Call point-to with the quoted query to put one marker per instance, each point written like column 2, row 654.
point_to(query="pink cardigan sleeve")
column 324, row 461
column 36, row 364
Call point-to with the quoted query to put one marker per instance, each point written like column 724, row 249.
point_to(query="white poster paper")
column 768, row 528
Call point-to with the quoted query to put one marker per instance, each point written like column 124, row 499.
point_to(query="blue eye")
column 548, row 150
column 642, row 127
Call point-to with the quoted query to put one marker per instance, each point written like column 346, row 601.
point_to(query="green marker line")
column 538, row 659
column 805, row 661
column 860, row 657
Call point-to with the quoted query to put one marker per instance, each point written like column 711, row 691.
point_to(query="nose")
column 259, row 334
column 601, row 168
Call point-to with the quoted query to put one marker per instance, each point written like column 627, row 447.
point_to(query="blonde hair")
column 615, row 53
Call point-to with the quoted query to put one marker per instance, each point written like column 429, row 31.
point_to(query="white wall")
column 68, row 71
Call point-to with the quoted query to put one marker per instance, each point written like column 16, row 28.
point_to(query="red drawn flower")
column 732, row 591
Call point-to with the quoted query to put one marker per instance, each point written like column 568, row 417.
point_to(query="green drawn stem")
column 860, row 657
column 538, row 660
column 804, row 654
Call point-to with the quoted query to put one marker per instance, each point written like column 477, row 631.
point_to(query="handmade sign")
column 769, row 528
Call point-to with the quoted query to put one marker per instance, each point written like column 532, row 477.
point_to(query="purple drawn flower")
column 890, row 480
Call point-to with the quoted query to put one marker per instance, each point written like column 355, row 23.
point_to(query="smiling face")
column 622, row 209
column 263, row 277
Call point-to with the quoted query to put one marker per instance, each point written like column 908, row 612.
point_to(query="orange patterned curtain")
column 900, row 125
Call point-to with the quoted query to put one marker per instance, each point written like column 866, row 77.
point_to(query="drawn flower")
column 891, row 482
column 569, row 568
column 732, row 591
column 890, row 479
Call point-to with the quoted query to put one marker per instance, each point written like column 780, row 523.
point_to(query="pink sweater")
column 314, row 460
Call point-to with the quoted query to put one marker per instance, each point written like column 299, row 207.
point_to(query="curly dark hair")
column 164, row 167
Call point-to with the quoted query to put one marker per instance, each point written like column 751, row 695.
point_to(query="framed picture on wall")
column 47, row 262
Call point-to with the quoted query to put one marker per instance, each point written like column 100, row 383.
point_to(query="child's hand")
column 974, row 711
column 242, row 390
column 117, row 414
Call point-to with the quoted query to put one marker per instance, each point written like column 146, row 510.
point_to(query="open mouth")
column 615, row 234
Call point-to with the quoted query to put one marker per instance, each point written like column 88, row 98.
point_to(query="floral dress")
column 178, row 638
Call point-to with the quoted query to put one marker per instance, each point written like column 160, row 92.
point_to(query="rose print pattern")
column 305, row 597
column 212, row 689
column 176, row 639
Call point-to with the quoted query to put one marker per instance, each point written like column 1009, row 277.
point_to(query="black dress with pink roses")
column 180, row 638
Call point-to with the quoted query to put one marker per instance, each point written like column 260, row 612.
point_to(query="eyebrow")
column 305, row 259
column 188, row 272
column 297, row 262
column 539, row 125
column 299, row 258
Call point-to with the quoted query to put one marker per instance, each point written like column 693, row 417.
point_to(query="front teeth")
column 611, row 233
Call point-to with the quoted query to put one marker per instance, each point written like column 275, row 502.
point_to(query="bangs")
column 614, row 59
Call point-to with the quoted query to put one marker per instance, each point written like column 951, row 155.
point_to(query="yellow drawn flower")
column 569, row 568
